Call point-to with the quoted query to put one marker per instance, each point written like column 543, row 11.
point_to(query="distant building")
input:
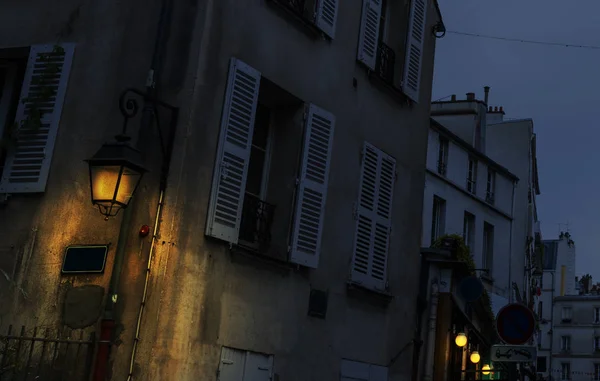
column 558, row 281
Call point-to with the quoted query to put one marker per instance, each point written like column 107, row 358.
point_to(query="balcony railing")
column 256, row 224
column 386, row 61
column 489, row 198
column 296, row 6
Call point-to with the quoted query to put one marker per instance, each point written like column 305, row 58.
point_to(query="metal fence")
column 45, row 354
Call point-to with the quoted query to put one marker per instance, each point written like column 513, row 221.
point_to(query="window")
column 438, row 218
column 25, row 165
column 488, row 247
column 240, row 365
column 472, row 177
column 567, row 314
column 391, row 41
column 541, row 364
column 360, row 371
column 322, row 14
column 373, row 218
column 443, row 156
column 257, row 137
column 540, row 310
column 469, row 230
column 491, row 187
column 596, row 372
column 596, row 315
column 565, row 371
column 565, row 343
column 596, row 343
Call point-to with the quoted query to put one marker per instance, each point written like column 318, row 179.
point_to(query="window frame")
column 596, row 316
column 469, row 227
column 472, row 175
column 565, row 370
column 490, row 193
column 566, row 314
column 596, row 375
column 487, row 254
column 565, row 343
column 438, row 218
column 443, row 148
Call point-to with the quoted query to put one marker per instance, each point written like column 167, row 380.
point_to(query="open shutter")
column 233, row 153
column 368, row 38
column 326, row 17
column 374, row 217
column 28, row 162
column 312, row 187
column 258, row 367
column 414, row 49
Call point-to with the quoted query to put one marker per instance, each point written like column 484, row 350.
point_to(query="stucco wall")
column 200, row 297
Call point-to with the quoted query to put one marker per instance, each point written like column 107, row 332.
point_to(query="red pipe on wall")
column 107, row 327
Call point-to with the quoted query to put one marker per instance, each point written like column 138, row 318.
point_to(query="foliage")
column 37, row 100
column 464, row 254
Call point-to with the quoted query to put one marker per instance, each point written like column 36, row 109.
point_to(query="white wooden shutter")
column 326, row 17
column 258, row 367
column 233, row 154
column 414, row 49
column 312, row 187
column 231, row 367
column 368, row 38
column 374, row 217
column 28, row 162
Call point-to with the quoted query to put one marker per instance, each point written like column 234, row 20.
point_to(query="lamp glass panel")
column 128, row 184
column 104, row 181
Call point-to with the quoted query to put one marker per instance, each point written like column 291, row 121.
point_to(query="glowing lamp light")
column 461, row 340
column 115, row 173
column 475, row 357
column 485, row 369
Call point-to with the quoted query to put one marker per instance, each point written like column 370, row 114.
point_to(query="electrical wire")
column 537, row 42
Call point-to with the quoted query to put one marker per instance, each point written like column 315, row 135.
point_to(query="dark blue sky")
column 556, row 86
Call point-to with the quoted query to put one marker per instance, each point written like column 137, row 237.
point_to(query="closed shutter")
column 374, row 217
column 231, row 367
column 233, row 153
column 326, row 17
column 368, row 38
column 378, row 373
column 28, row 162
column 258, row 367
column 414, row 49
column 312, row 187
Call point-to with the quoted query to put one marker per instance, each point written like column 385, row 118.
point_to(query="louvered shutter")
column 28, row 163
column 312, row 187
column 233, row 154
column 368, row 38
column 374, row 217
column 414, row 49
column 326, row 17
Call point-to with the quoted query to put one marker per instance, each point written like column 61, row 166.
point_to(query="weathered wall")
column 200, row 296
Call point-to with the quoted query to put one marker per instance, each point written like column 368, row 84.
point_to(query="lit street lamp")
column 117, row 168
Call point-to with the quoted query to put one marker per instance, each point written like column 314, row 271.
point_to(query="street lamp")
column 475, row 357
column 117, row 168
column 461, row 340
column 485, row 369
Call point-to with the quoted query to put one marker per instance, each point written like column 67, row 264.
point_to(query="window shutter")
column 414, row 49
column 233, row 153
column 312, row 187
column 327, row 16
column 374, row 216
column 231, row 367
column 368, row 38
column 258, row 367
column 28, row 163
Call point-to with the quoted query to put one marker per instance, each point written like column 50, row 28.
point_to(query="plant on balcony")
column 464, row 254
column 44, row 92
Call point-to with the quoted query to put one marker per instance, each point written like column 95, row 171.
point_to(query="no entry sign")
column 515, row 324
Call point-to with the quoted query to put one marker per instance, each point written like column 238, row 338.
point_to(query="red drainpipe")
column 107, row 327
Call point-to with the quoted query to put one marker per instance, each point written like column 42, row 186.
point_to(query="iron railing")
column 45, row 354
column 385, row 64
column 256, row 224
column 296, row 6
column 441, row 168
column 490, row 198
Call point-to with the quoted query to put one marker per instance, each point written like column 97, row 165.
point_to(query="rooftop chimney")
column 470, row 96
column 486, row 91
column 501, row 109
column 453, row 98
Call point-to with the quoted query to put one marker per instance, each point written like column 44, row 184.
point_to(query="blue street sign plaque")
column 515, row 324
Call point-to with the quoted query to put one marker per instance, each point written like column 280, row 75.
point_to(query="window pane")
column 261, row 126
column 255, row 171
